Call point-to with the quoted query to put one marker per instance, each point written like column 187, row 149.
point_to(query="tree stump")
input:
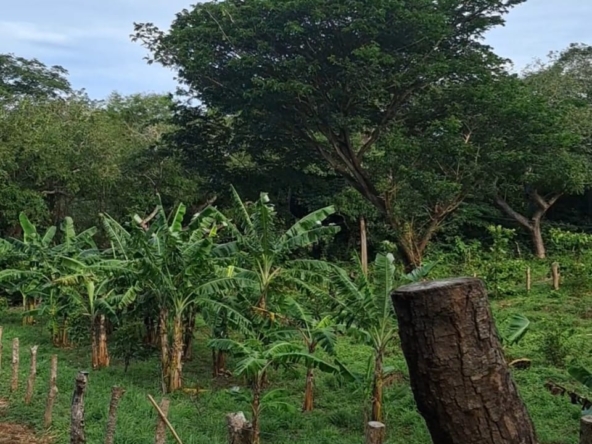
column 116, row 394
column 53, row 391
column 586, row 430
column 375, row 432
column 77, row 435
column 459, row 377
column 32, row 375
column 15, row 365
column 161, row 428
column 240, row 431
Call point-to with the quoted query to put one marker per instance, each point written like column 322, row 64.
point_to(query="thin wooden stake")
column 116, row 394
column 32, row 375
column 528, row 279
column 165, row 420
column 53, row 391
column 15, row 365
column 375, row 432
column 160, row 434
column 555, row 272
column 586, row 430
column 77, row 435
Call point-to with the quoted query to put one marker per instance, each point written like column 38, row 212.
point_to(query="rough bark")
column 375, row 432
column 239, row 429
column 116, row 394
column 77, row 434
column 15, row 365
column 32, row 375
column 309, row 391
column 377, row 389
column 160, row 434
column 363, row 245
column 53, row 391
column 459, row 377
column 586, row 429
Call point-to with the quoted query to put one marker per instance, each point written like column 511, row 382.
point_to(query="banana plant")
column 256, row 358
column 262, row 255
column 364, row 306
column 170, row 261
column 92, row 292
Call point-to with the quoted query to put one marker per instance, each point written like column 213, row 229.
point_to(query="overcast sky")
column 90, row 38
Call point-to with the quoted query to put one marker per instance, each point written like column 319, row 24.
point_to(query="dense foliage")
column 320, row 125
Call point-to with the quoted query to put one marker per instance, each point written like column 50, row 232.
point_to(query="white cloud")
column 91, row 39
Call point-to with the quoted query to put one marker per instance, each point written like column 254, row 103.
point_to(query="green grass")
column 339, row 414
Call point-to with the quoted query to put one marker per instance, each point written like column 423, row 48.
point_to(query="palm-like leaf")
column 515, row 328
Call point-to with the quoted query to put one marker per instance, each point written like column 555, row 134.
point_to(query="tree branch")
column 506, row 208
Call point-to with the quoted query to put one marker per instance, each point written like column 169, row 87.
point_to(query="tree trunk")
column 77, row 435
column 239, row 429
column 375, row 432
column 459, row 377
column 256, row 409
column 103, row 352
column 32, row 375
column 309, row 391
column 94, row 345
column 116, row 394
column 53, row 391
column 363, row 245
column 586, row 429
column 377, row 388
column 218, row 363
column 15, row 365
column 175, row 360
column 537, row 240
column 164, row 348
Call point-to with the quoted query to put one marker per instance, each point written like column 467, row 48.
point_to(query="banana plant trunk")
column 175, row 359
column 218, row 363
column 164, row 347
column 100, row 352
column 309, row 391
column 188, row 332
column 256, row 409
column 377, row 388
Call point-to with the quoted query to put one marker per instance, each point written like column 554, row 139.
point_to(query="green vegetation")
column 220, row 251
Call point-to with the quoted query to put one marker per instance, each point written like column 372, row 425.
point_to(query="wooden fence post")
column 586, row 430
column 528, row 279
column 240, row 431
column 53, row 391
column 451, row 347
column 32, row 375
column 116, row 394
column 375, row 432
column 15, row 365
column 77, row 435
column 555, row 273
column 1, row 331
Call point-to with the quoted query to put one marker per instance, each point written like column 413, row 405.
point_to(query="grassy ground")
column 561, row 324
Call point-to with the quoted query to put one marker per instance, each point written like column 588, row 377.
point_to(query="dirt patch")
column 18, row 434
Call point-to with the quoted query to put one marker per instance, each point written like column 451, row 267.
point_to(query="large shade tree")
column 326, row 81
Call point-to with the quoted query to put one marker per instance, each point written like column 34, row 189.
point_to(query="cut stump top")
column 420, row 287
